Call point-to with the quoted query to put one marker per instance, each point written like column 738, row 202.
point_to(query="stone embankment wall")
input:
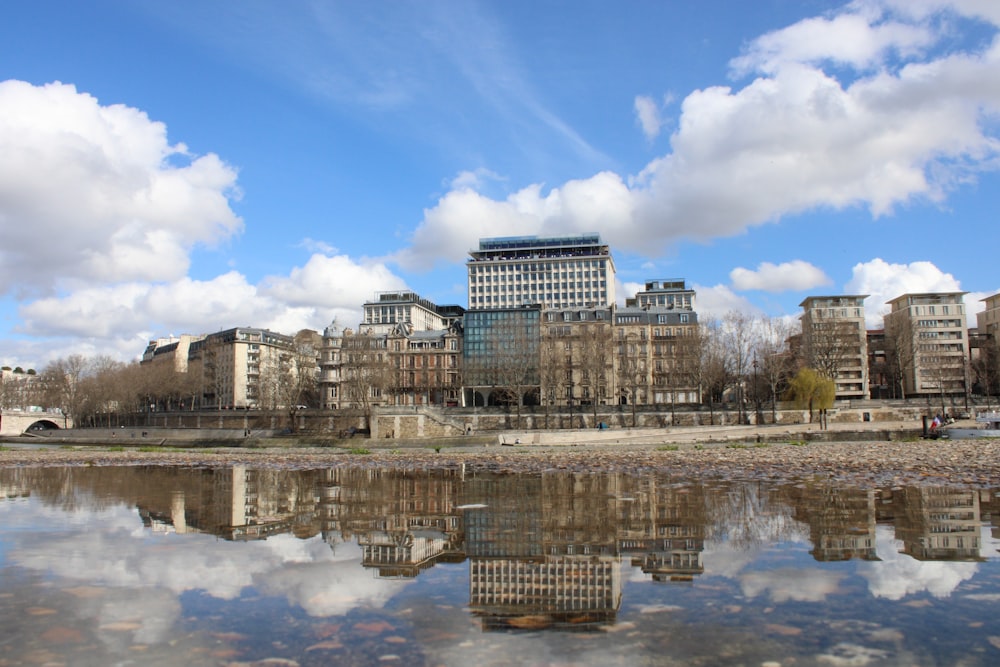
column 407, row 423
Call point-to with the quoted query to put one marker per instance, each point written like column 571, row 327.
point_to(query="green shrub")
column 358, row 450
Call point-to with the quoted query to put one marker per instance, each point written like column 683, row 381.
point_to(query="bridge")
column 16, row 422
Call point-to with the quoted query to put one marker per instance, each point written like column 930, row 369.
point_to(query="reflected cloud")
column 787, row 584
column 898, row 575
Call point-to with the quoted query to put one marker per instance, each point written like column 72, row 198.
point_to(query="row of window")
column 521, row 268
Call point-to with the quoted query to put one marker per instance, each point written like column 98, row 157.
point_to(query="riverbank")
column 878, row 463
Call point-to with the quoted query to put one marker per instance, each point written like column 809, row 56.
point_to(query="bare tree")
column 738, row 335
column 900, row 350
column 515, row 360
column 368, row 373
column 596, row 360
column 213, row 362
column 288, row 377
column 62, row 385
column 986, row 368
column 713, row 372
column 552, row 365
column 631, row 372
column 775, row 362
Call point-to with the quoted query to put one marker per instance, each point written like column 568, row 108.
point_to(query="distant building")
column 656, row 355
column 232, row 364
column 556, row 272
column 389, row 309
column 931, row 330
column 501, row 356
column 835, row 342
column 984, row 348
column 988, row 321
column 18, row 388
column 672, row 294
column 172, row 350
column 408, row 351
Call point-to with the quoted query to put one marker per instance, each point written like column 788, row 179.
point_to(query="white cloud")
column 627, row 290
column 796, row 275
column 647, row 113
column 795, row 139
column 884, row 281
column 454, row 226
column 100, row 193
column 851, row 39
column 783, row 585
column 718, row 300
column 125, row 316
column 474, row 180
column 898, row 575
column 330, row 282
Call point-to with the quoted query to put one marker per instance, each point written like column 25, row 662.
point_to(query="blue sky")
column 190, row 166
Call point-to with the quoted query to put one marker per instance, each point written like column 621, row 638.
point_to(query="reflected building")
column 663, row 530
column 938, row 523
column 841, row 521
column 567, row 592
column 545, row 550
column 544, row 555
column 403, row 521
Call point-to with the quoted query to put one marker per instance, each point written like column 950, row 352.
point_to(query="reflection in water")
column 375, row 565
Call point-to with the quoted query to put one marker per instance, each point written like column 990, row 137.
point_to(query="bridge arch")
column 42, row 425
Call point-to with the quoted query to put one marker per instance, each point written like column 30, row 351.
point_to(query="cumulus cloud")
column 454, row 226
column 859, row 40
column 127, row 315
column 898, row 575
column 717, row 300
column 796, row 275
column 884, row 281
column 100, row 192
column 795, row 138
column 784, row 585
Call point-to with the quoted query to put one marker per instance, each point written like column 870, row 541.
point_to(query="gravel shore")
column 938, row 462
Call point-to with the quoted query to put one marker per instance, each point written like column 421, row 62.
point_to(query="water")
column 368, row 566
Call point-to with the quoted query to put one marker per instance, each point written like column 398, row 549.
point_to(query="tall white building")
column 556, row 272
column 934, row 327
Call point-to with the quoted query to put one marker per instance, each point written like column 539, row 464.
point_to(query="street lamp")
column 756, row 393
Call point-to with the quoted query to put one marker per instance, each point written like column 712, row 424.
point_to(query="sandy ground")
column 897, row 462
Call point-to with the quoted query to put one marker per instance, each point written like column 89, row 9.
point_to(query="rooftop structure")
column 387, row 309
column 556, row 272
column 672, row 294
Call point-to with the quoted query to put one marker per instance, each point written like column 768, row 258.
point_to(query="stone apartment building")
column 835, row 342
column 929, row 335
column 238, row 366
column 406, row 351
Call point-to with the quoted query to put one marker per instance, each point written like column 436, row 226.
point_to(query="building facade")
column 501, row 356
column 928, row 335
column 557, row 272
column 835, row 341
column 389, row 309
column 238, row 367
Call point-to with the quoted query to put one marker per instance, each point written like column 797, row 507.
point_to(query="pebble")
column 965, row 462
